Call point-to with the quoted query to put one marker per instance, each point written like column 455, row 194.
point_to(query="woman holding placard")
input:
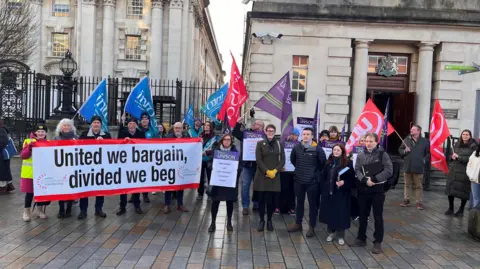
column 337, row 180
column 270, row 157
column 217, row 193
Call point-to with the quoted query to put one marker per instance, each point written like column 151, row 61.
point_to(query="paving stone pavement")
column 413, row 239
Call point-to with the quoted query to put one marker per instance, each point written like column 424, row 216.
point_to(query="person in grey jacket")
column 371, row 192
column 415, row 149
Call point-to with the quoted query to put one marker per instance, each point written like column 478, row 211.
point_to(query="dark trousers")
column 29, row 200
column 312, row 193
column 268, row 202
column 354, row 210
column 205, row 174
column 214, row 210
column 135, row 199
column 61, row 204
column 98, row 204
column 365, row 203
column 168, row 198
column 286, row 199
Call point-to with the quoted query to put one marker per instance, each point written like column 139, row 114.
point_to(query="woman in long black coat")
column 337, row 181
column 5, row 173
column 217, row 193
column 458, row 183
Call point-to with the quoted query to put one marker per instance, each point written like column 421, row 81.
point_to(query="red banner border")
column 75, row 196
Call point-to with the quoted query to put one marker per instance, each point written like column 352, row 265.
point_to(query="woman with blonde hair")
column 65, row 131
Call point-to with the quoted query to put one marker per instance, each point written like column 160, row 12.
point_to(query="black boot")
column 459, row 213
column 261, row 226
column 449, row 212
column 82, row 215
column 68, row 212
column 229, row 226
column 270, row 226
column 212, row 228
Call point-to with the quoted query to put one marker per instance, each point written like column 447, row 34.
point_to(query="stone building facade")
column 166, row 39
column 334, row 50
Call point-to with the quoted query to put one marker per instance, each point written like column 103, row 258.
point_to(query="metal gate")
column 22, row 98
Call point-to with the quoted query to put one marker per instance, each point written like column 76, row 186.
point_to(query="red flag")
column 236, row 96
column 439, row 132
column 371, row 120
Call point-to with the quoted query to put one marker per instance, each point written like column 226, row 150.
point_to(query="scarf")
column 66, row 136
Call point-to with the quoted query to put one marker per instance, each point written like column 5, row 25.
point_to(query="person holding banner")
column 145, row 127
column 65, row 131
column 162, row 132
column 208, row 140
column 26, row 175
column 95, row 132
column 286, row 199
column 270, row 157
column 337, row 180
column 248, row 167
column 196, row 130
column 177, row 133
column 131, row 132
column 218, row 193
column 308, row 158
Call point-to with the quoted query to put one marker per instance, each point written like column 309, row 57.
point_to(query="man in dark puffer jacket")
column 309, row 160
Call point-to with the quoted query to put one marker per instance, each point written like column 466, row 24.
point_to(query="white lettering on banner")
column 143, row 102
column 101, row 105
column 359, row 130
column 77, row 170
column 215, row 102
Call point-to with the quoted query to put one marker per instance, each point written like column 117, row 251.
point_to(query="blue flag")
column 189, row 116
column 97, row 105
column 316, row 122
column 214, row 103
column 140, row 101
column 384, row 137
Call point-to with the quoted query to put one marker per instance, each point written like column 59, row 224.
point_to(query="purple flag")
column 316, row 122
column 278, row 102
column 343, row 129
column 384, row 137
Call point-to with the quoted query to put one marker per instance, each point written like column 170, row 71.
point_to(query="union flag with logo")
column 439, row 132
column 371, row 120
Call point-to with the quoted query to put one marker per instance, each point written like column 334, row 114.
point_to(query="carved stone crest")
column 387, row 67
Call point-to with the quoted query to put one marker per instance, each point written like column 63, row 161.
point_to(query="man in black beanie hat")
column 95, row 132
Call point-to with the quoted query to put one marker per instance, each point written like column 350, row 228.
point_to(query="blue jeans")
column 168, row 198
column 247, row 177
column 475, row 195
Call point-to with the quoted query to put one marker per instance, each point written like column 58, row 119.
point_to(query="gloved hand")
column 271, row 174
column 252, row 113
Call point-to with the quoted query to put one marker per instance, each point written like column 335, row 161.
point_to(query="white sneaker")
column 26, row 215
column 341, row 242
column 330, row 237
column 153, row 193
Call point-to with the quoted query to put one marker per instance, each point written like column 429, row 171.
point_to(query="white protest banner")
column 250, row 140
column 225, row 165
column 303, row 123
column 73, row 169
column 288, row 146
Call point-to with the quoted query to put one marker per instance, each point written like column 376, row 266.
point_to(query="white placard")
column 225, row 165
column 250, row 140
column 288, row 147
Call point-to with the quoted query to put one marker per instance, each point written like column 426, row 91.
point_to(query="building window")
column 132, row 50
column 299, row 78
column 129, row 83
column 61, row 8
column 14, row 4
column 374, row 61
column 134, row 9
column 60, row 44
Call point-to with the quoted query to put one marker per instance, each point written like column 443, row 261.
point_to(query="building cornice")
column 111, row 3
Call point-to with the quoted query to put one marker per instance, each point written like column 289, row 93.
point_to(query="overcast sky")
column 228, row 18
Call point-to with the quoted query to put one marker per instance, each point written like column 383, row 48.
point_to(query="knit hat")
column 296, row 132
column 40, row 127
column 94, row 118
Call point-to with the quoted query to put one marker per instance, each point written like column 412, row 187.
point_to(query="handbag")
column 10, row 150
column 473, row 168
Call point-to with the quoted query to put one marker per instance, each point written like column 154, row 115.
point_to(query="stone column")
column 35, row 60
column 108, row 45
column 424, row 85
column 185, row 26
column 190, row 41
column 88, row 37
column 359, row 91
column 198, row 22
column 174, row 39
column 156, row 48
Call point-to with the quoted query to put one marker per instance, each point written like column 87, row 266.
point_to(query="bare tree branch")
column 18, row 31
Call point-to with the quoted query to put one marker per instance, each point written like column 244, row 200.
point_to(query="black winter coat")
column 224, row 193
column 124, row 133
column 458, row 183
column 88, row 134
column 336, row 202
column 5, row 173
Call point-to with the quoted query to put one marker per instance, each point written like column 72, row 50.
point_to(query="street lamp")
column 68, row 66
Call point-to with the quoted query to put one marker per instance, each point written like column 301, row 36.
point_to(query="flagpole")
column 271, row 85
column 451, row 143
column 399, row 136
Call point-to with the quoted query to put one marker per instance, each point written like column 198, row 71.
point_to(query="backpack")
column 393, row 179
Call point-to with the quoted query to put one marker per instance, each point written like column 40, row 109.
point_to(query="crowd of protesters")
column 336, row 191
